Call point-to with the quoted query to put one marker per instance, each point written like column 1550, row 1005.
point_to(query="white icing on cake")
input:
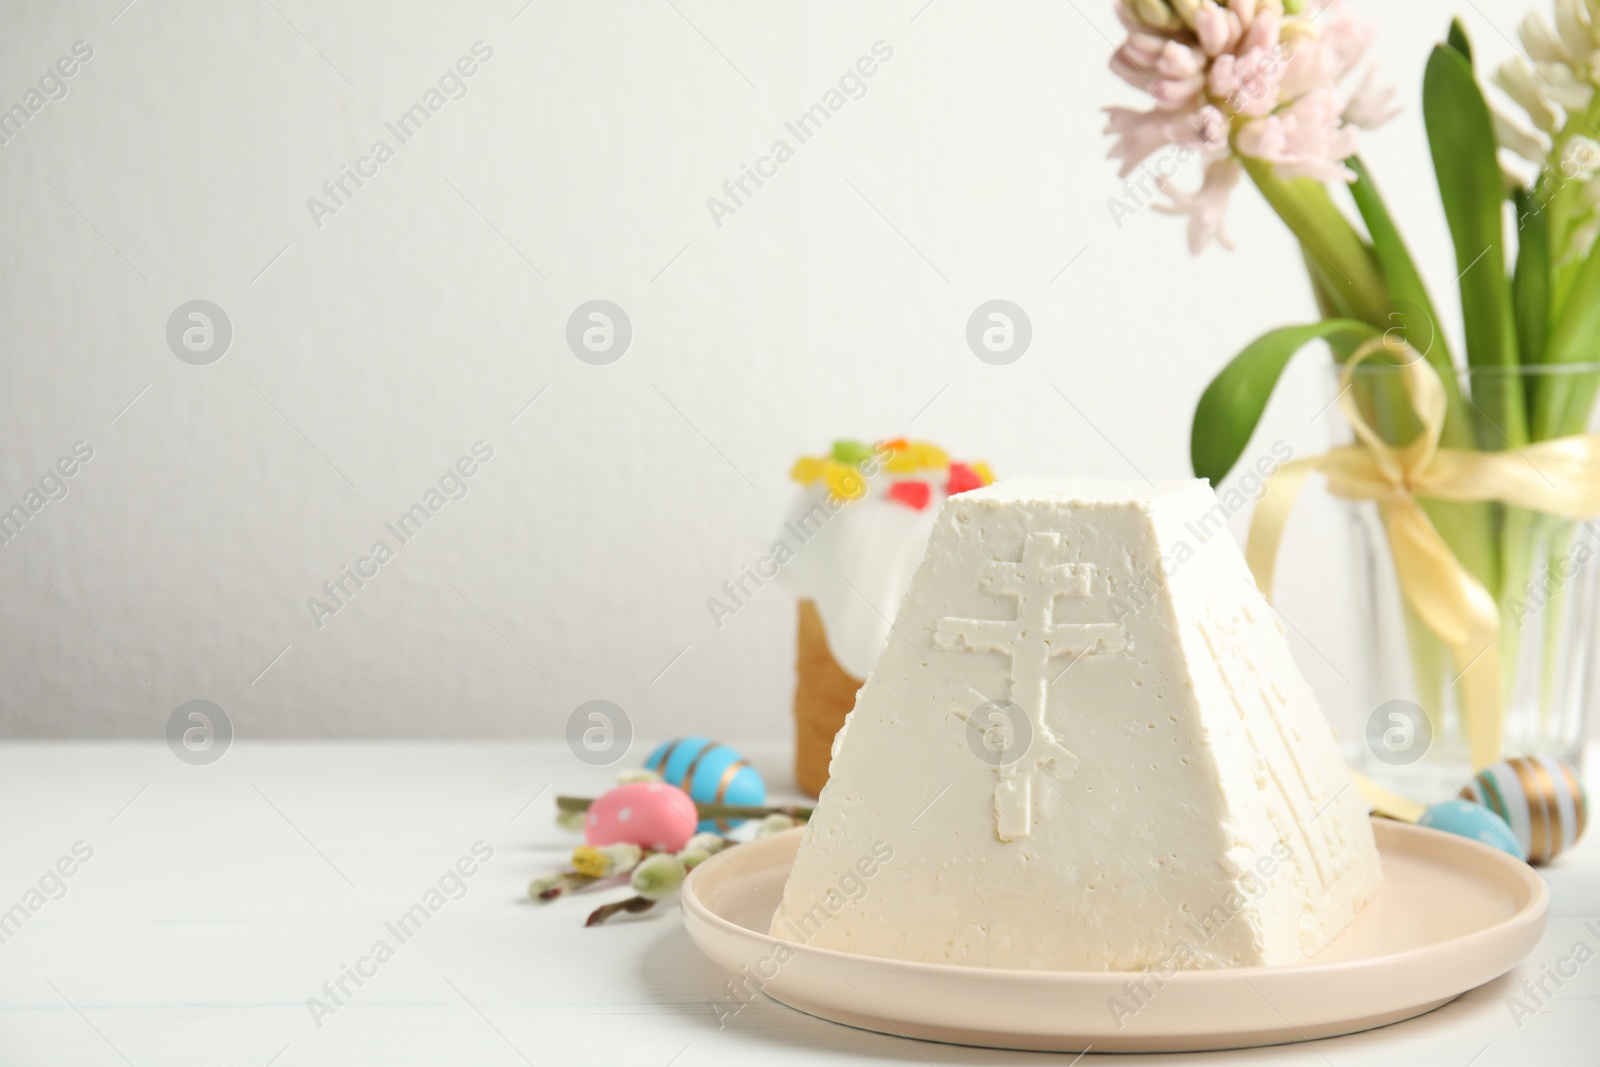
column 858, row 563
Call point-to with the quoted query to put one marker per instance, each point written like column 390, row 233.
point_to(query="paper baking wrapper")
column 823, row 695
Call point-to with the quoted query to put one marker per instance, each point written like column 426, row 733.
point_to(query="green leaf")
column 1457, row 39
column 1468, row 528
column 1578, row 328
column 1565, row 399
column 1461, row 137
column 1319, row 289
column 1342, row 262
column 1410, row 312
column 1332, row 301
column 1409, row 299
column 1232, row 404
column 1530, row 284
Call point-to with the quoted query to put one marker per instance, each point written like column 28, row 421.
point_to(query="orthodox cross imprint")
column 1032, row 639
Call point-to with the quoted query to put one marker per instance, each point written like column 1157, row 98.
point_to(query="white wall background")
column 369, row 353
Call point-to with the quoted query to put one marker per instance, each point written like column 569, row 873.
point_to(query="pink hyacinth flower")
column 1242, row 79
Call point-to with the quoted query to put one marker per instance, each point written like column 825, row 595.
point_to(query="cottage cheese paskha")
column 1089, row 748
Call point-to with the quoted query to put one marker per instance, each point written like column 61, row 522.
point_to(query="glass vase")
column 1542, row 570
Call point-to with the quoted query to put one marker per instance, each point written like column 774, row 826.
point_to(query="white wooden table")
column 218, row 900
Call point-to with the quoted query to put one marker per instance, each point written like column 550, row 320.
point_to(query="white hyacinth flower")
column 1581, row 159
column 1527, row 145
column 1557, row 91
column 1522, row 84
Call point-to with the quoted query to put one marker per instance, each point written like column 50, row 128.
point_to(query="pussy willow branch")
column 573, row 805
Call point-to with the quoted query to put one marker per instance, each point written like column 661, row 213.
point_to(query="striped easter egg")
column 1542, row 798
column 711, row 773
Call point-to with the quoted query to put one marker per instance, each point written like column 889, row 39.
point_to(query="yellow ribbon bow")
column 1560, row 476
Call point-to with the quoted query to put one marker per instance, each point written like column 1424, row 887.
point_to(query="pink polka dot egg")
column 648, row 814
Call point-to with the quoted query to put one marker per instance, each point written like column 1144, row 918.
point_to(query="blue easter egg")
column 1466, row 819
column 711, row 773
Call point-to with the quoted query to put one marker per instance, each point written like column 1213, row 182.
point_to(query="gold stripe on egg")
column 694, row 765
column 666, row 757
column 1552, row 803
column 727, row 778
column 1538, row 819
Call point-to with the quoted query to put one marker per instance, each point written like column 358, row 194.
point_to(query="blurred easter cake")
column 858, row 528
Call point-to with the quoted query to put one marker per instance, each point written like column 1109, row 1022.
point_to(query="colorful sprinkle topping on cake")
column 962, row 478
column 848, row 466
column 914, row 495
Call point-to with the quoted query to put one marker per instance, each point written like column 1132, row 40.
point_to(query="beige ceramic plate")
column 1452, row 915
